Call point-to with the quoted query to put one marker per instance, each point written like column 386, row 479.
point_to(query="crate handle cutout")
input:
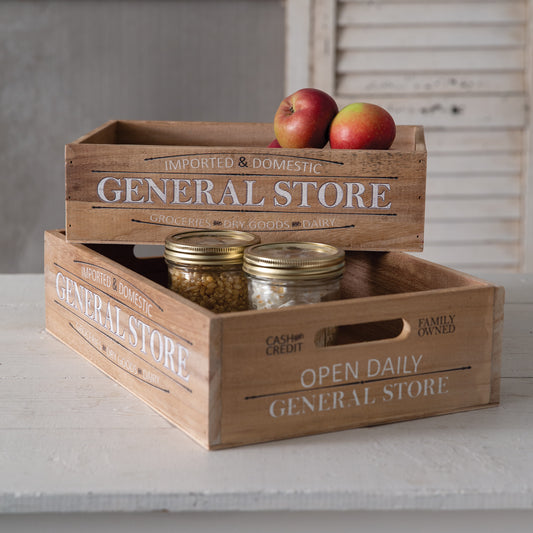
column 362, row 332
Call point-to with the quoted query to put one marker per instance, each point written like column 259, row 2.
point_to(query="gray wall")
column 67, row 67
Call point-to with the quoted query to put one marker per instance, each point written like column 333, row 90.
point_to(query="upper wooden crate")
column 138, row 181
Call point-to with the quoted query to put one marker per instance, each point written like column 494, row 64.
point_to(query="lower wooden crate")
column 414, row 339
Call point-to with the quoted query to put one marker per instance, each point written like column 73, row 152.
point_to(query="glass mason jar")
column 206, row 268
column 292, row 273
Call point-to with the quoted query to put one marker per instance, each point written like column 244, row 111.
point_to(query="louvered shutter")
column 461, row 69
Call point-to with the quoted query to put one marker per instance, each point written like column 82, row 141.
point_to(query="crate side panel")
column 276, row 383
column 132, row 330
column 194, row 133
column 361, row 200
column 373, row 274
column 104, row 134
column 499, row 301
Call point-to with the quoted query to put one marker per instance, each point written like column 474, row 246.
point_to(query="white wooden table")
column 76, row 446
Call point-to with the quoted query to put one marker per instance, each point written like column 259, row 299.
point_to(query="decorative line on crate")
column 125, row 304
column 115, row 341
column 125, row 280
column 318, row 213
column 360, row 382
column 217, row 223
column 103, row 354
column 247, row 153
column 243, row 174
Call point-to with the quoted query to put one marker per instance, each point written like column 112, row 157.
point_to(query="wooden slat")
column 381, row 13
column 473, row 209
column 473, row 140
column 436, row 60
column 472, row 231
column 423, row 83
column 454, row 111
column 415, row 35
column 475, row 163
column 457, row 185
column 474, row 254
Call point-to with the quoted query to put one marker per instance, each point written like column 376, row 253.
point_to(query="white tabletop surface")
column 72, row 440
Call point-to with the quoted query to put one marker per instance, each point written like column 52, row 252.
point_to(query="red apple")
column 303, row 118
column 274, row 144
column 362, row 126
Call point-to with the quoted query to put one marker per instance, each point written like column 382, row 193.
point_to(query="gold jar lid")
column 208, row 247
column 294, row 260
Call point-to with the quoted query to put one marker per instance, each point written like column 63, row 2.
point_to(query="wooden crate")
column 137, row 182
column 414, row 339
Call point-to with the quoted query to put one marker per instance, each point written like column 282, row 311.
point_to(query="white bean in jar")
column 294, row 273
column 267, row 294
